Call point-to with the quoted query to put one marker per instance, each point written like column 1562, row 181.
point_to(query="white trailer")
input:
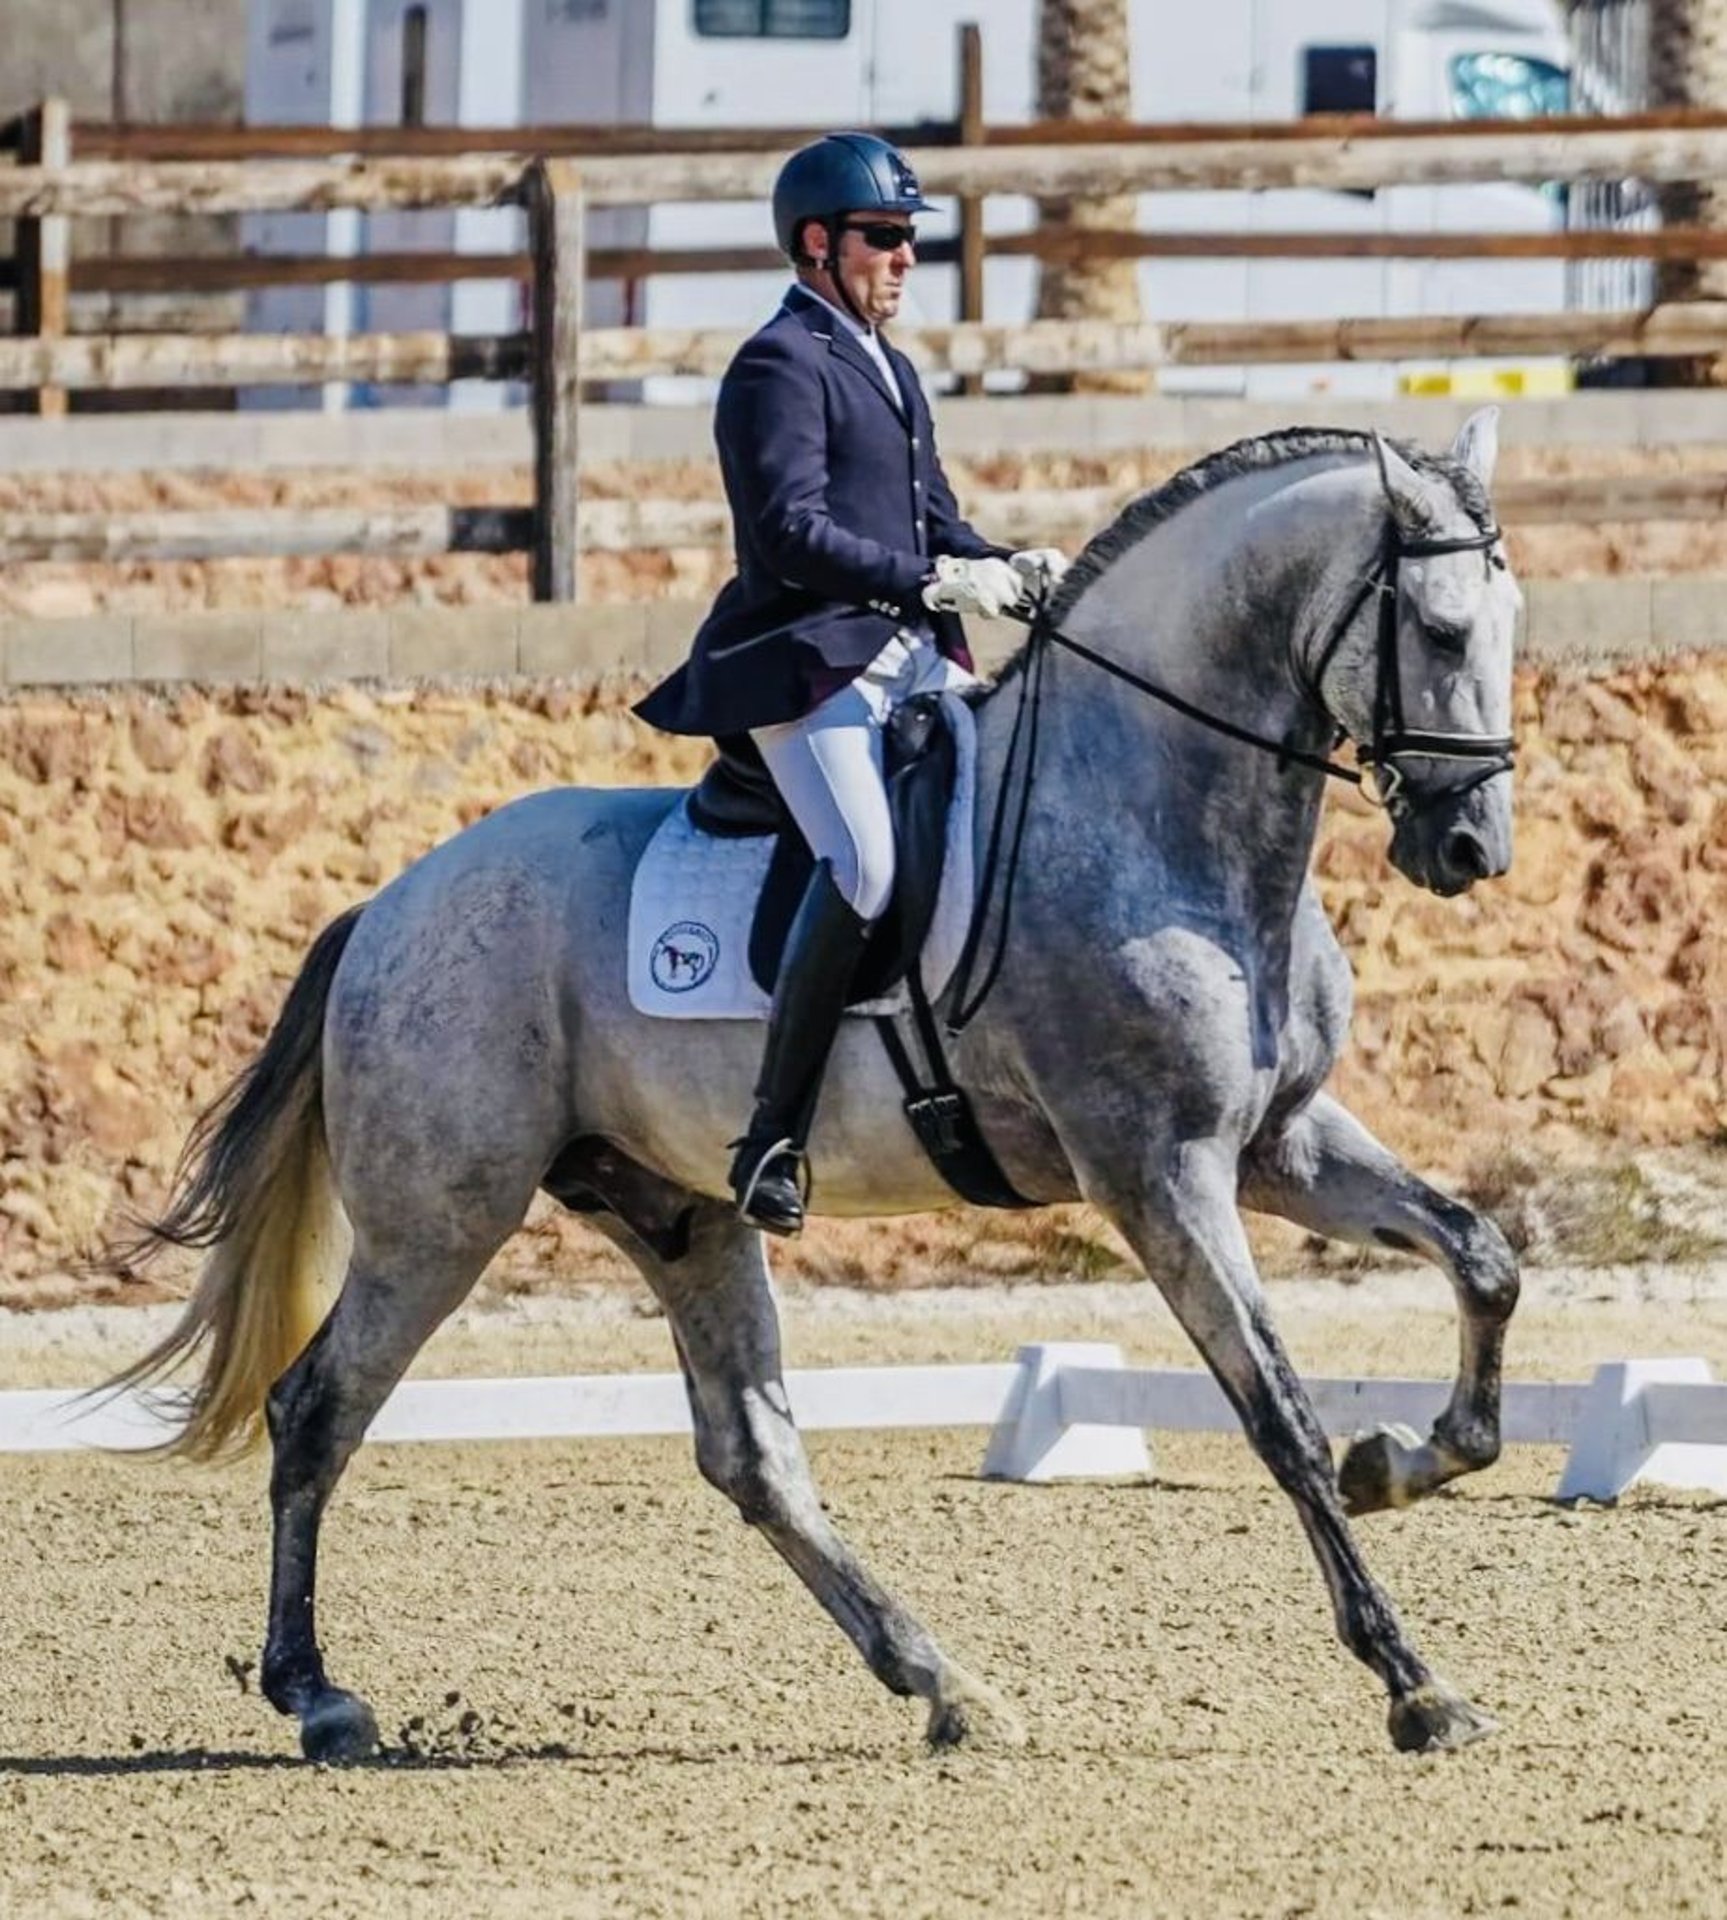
column 366, row 63
column 718, row 63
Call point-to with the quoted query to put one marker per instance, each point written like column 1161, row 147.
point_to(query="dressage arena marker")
column 1061, row 1411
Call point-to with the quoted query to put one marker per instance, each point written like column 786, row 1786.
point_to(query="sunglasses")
column 882, row 236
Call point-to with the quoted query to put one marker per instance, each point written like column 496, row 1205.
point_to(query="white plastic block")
column 1033, row 1440
column 1618, row 1442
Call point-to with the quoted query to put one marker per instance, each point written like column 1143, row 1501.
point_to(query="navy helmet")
column 842, row 173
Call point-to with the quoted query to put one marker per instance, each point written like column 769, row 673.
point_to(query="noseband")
column 1393, row 737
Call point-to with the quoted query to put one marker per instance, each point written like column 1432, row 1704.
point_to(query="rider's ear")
column 1404, row 487
column 1477, row 444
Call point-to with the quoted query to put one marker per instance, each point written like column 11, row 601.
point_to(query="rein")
column 1392, row 737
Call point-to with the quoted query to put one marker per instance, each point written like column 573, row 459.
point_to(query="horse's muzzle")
column 1446, row 841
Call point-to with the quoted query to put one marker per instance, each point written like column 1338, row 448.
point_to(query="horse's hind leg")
column 318, row 1413
column 723, row 1317
column 1326, row 1172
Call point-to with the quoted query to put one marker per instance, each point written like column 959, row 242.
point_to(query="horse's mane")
column 1148, row 511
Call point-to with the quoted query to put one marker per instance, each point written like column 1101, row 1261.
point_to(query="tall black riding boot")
column 822, row 951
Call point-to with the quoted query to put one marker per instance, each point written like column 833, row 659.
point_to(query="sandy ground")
column 602, row 1696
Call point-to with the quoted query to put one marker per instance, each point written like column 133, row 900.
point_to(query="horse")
column 1161, row 1015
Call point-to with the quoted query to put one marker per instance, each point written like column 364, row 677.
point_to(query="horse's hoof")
column 1375, row 1474
column 1433, row 1719
column 339, row 1730
column 967, row 1713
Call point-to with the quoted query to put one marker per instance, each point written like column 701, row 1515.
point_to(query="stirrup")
column 801, row 1176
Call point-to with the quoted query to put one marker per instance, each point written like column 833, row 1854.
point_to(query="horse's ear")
column 1404, row 487
column 1477, row 444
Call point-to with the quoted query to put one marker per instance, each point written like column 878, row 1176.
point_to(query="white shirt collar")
column 850, row 322
column 867, row 338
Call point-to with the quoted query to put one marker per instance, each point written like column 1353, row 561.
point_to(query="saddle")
column 736, row 798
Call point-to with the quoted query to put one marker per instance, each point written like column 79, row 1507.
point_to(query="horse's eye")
column 1447, row 639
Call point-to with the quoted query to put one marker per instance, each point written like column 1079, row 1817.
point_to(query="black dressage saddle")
column 736, row 798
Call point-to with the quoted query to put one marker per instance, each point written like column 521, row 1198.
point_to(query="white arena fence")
column 1058, row 1411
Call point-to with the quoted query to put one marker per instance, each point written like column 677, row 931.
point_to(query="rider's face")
column 875, row 276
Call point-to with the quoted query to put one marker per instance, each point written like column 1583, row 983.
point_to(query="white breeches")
column 828, row 766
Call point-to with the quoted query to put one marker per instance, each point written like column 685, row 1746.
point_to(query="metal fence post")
column 557, row 224
column 44, row 245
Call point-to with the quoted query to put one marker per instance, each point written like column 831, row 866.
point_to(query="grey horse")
column 1169, row 1001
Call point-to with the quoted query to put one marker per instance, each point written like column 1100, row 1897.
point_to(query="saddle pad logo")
column 683, row 956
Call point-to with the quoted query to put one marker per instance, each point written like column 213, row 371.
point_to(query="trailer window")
column 1339, row 80
column 414, row 67
column 774, row 19
column 1507, row 86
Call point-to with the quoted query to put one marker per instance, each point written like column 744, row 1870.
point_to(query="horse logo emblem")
column 683, row 956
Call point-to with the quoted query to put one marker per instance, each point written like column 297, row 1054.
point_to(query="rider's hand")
column 988, row 587
column 1040, row 567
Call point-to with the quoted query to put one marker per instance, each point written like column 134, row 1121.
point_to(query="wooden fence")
column 1026, row 516
column 45, row 188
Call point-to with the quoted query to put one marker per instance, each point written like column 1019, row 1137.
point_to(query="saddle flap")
column 921, row 761
column 696, row 896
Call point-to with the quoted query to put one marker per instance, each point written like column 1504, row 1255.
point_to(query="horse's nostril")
column 1465, row 854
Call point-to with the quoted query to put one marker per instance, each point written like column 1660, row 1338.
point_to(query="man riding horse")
column 853, row 565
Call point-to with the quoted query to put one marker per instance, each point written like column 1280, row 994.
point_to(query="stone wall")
column 166, row 857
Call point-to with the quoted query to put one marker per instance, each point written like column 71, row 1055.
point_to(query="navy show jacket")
column 839, row 508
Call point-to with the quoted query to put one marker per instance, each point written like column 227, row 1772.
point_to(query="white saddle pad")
column 694, row 894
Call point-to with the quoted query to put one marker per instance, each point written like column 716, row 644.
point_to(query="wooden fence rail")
column 632, row 526
column 116, row 363
column 104, row 140
column 199, row 274
column 1523, row 152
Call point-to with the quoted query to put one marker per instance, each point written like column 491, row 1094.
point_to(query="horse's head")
column 1419, row 672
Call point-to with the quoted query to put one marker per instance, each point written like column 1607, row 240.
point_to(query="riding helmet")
column 842, row 173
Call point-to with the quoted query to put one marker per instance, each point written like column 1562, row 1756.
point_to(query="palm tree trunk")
column 1688, row 68
column 1083, row 74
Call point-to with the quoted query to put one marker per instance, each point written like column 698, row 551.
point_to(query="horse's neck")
column 1203, row 606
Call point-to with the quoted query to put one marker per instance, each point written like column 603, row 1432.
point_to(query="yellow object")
column 1545, row 380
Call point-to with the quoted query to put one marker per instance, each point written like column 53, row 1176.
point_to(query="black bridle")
column 1393, row 738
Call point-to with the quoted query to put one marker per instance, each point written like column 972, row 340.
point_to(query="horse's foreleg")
column 1185, row 1227
column 1326, row 1172
column 722, row 1312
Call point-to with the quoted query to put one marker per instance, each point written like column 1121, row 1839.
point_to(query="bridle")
column 1392, row 738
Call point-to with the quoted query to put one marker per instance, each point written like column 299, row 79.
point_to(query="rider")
column 853, row 564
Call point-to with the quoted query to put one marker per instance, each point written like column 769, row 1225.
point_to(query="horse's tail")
column 254, row 1187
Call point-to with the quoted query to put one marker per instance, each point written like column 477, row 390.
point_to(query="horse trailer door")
column 299, row 72
column 591, row 62
column 412, row 79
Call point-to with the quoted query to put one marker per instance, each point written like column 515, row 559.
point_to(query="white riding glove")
column 987, row 587
column 1041, row 567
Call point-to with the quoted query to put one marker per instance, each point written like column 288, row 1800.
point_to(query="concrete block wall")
column 400, row 644
column 1569, row 622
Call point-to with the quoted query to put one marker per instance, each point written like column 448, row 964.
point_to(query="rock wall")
column 165, row 860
